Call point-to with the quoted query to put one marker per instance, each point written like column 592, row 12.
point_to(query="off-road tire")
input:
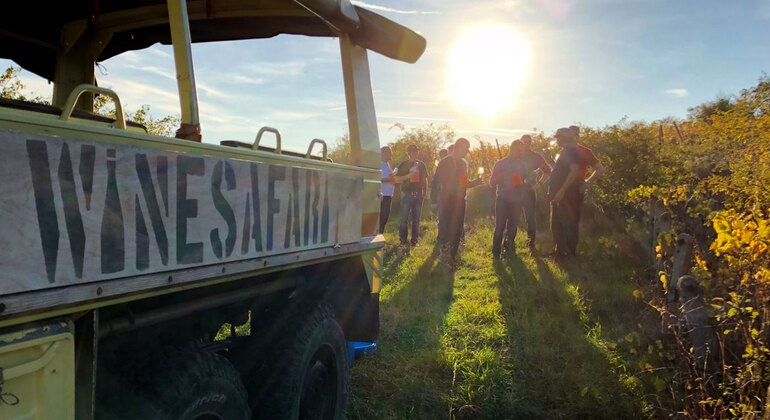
column 181, row 385
column 311, row 376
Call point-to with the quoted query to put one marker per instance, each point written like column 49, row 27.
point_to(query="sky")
column 590, row 62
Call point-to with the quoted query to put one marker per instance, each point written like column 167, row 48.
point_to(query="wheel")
column 183, row 385
column 310, row 379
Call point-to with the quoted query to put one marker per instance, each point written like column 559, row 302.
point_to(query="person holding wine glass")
column 451, row 183
column 412, row 174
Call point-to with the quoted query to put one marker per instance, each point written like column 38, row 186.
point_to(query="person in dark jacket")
column 566, row 190
column 413, row 177
column 451, row 182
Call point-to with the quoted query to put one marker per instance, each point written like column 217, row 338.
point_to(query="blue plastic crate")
column 357, row 349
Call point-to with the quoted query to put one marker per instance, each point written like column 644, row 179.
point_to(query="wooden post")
column 660, row 134
column 678, row 133
column 660, row 221
column 699, row 323
column 681, row 267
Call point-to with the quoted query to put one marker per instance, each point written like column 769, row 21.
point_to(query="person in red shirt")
column 567, row 187
column 451, row 182
column 534, row 161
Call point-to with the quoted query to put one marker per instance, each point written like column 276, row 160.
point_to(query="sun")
column 487, row 67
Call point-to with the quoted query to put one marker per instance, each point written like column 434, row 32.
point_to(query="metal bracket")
column 261, row 131
column 313, row 143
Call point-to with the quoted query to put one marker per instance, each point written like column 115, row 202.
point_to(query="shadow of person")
column 559, row 371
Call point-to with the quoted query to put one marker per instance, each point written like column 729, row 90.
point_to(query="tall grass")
column 523, row 338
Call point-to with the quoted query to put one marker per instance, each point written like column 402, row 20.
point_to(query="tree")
column 165, row 126
column 339, row 151
column 11, row 87
column 704, row 112
column 428, row 139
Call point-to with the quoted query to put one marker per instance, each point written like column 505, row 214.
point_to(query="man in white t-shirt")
column 387, row 187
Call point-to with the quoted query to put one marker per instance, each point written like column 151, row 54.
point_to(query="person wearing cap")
column 451, row 183
column 441, row 155
column 533, row 161
column 566, row 189
column 387, row 186
column 507, row 179
column 412, row 174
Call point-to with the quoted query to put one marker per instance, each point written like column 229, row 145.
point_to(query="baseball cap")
column 563, row 132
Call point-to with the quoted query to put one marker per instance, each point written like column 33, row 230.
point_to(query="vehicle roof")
column 32, row 32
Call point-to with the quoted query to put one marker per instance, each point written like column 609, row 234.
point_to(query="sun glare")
column 487, row 67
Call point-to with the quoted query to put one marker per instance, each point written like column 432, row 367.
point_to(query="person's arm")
column 545, row 170
column 423, row 179
column 476, row 182
column 435, row 186
column 494, row 179
column 573, row 174
column 400, row 178
column 598, row 172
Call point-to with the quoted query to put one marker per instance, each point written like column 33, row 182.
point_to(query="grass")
column 523, row 338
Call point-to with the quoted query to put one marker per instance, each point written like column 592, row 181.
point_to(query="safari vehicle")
column 123, row 254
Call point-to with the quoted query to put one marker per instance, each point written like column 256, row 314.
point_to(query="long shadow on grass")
column 558, row 372
column 406, row 367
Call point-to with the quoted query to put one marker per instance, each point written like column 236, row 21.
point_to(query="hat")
column 411, row 147
column 565, row 133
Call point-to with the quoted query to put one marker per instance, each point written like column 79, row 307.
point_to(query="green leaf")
column 659, row 384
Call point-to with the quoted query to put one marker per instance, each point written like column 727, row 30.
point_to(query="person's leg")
column 514, row 215
column 439, row 209
column 457, row 226
column 530, row 213
column 557, row 228
column 416, row 213
column 402, row 226
column 500, row 221
column 573, row 233
column 385, row 211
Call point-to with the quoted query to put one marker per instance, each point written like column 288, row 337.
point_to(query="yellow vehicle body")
column 38, row 374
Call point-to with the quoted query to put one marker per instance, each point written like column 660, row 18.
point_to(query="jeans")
column 530, row 213
column 411, row 207
column 565, row 222
column 452, row 219
column 507, row 214
column 385, row 211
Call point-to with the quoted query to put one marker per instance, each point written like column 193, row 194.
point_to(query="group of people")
column 514, row 179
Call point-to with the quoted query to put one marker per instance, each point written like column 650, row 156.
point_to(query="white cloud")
column 677, row 93
column 285, row 68
column 392, row 10
column 133, row 95
column 386, row 116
